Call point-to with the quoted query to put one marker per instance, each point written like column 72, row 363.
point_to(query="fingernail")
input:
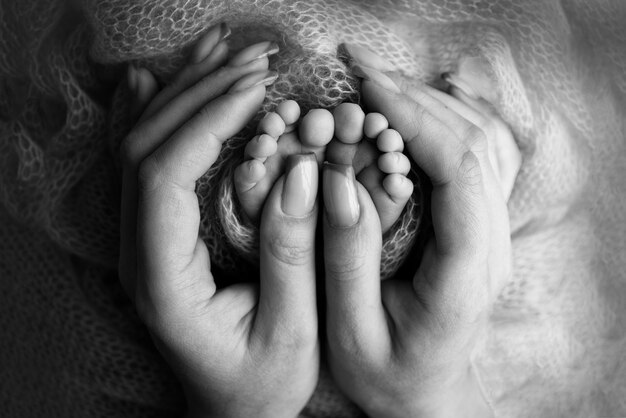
column 367, row 58
column 457, row 82
column 141, row 87
column 131, row 77
column 208, row 42
column 301, row 180
column 340, row 196
column 254, row 52
column 254, row 79
column 376, row 77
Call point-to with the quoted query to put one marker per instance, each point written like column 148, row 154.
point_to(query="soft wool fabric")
column 556, row 71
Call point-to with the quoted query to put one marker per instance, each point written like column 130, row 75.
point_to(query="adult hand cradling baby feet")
column 401, row 347
column 247, row 350
column 337, row 139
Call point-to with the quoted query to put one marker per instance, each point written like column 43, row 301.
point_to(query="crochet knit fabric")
column 555, row 70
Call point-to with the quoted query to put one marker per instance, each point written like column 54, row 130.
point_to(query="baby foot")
column 266, row 153
column 381, row 168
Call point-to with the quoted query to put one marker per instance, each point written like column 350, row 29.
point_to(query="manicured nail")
column 254, row 52
column 142, row 88
column 301, row 180
column 367, row 58
column 254, row 79
column 376, row 77
column 208, row 42
column 131, row 77
column 457, row 82
column 340, row 195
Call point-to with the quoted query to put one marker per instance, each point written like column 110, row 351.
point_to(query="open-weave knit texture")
column 71, row 345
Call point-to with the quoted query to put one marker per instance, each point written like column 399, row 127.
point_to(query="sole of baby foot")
column 280, row 136
column 378, row 162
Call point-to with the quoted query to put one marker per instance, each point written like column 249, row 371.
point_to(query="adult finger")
column 193, row 72
column 455, row 171
column 168, row 213
column 363, row 61
column 209, row 52
column 287, row 252
column 472, row 128
column 501, row 149
column 151, row 132
column 143, row 140
column 143, row 88
column 352, row 246
column 465, row 122
column 506, row 155
column 471, row 114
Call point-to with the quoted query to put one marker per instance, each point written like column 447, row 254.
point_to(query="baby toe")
column 398, row 187
column 251, row 187
column 272, row 124
column 289, row 111
column 374, row 124
column 349, row 120
column 260, row 147
column 389, row 207
column 317, row 128
column 248, row 174
column 389, row 140
column 394, row 163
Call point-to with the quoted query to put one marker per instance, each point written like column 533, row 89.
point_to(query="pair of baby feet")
column 347, row 136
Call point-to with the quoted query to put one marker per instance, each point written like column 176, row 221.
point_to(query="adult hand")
column 245, row 350
column 404, row 347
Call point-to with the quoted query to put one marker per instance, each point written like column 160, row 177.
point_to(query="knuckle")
column 150, row 174
column 290, row 250
column 423, row 117
column 422, row 120
column 346, row 268
column 469, row 172
column 476, row 139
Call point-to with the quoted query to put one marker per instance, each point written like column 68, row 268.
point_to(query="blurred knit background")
column 71, row 344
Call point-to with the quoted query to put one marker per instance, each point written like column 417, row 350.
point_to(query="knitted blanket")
column 71, row 344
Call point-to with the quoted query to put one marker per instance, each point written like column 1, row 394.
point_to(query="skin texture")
column 335, row 137
column 397, row 348
column 247, row 350
column 404, row 347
